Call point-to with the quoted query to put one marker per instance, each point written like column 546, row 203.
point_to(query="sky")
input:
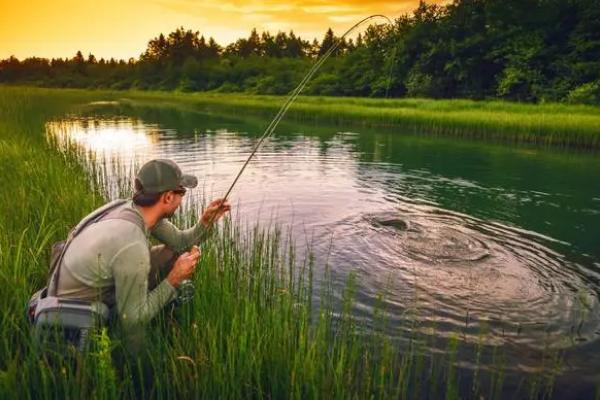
column 122, row 28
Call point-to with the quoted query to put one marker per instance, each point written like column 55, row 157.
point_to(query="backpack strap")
column 95, row 216
column 127, row 214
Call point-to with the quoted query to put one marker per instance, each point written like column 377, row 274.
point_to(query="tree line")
column 524, row 50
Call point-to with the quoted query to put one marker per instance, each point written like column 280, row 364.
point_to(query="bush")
column 273, row 85
column 120, row 85
column 326, row 84
column 229, row 87
column 419, row 84
column 520, row 84
column 187, row 85
column 588, row 93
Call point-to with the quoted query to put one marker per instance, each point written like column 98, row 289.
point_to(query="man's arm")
column 179, row 240
column 135, row 304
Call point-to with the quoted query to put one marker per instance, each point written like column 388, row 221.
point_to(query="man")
column 112, row 260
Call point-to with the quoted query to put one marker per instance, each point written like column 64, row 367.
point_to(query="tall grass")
column 546, row 124
column 252, row 330
column 553, row 124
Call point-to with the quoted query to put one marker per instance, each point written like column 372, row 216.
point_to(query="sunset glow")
column 121, row 29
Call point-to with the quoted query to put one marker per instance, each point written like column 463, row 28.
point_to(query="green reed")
column 546, row 124
column 555, row 124
column 253, row 329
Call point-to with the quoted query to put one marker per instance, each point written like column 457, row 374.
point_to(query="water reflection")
column 109, row 138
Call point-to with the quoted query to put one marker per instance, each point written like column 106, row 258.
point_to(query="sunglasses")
column 180, row 191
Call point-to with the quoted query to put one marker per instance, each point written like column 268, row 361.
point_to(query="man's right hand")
column 184, row 267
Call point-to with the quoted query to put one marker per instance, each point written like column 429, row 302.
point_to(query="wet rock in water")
column 388, row 220
column 398, row 224
column 432, row 240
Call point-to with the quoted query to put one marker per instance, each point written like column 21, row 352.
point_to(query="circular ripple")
column 442, row 244
column 432, row 242
column 460, row 268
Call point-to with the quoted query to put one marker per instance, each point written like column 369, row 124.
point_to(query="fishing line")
column 185, row 291
column 296, row 92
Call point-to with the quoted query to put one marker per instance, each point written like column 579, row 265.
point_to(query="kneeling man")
column 112, row 259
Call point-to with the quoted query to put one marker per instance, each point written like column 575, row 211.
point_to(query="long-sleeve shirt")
column 110, row 261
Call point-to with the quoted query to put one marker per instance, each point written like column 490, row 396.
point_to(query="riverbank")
column 251, row 330
column 552, row 124
column 558, row 125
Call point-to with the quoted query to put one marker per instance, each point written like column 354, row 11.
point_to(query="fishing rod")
column 296, row 92
column 186, row 289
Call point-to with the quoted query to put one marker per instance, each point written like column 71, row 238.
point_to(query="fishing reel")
column 185, row 292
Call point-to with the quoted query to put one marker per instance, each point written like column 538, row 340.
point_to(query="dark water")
column 456, row 235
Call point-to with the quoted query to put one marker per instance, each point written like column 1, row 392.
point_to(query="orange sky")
column 121, row 29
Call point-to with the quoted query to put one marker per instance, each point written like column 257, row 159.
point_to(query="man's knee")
column 162, row 259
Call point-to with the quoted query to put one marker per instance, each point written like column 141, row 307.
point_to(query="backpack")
column 74, row 318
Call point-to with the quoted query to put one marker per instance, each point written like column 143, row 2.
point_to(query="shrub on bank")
column 588, row 93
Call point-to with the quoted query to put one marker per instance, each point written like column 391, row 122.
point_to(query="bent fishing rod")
column 296, row 92
column 186, row 287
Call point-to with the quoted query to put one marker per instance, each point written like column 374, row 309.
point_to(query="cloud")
column 259, row 17
column 59, row 28
column 240, row 7
column 276, row 26
column 299, row 7
column 328, row 9
column 346, row 18
column 309, row 18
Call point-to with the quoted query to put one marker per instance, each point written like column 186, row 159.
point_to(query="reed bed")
column 253, row 330
column 552, row 124
column 549, row 124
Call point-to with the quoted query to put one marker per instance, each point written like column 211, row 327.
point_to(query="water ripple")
column 463, row 268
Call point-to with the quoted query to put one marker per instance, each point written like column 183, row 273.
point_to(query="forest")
column 519, row 50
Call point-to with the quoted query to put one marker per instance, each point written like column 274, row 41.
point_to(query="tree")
column 79, row 62
column 78, row 59
column 156, row 49
column 525, row 50
column 268, row 46
column 214, row 50
column 329, row 40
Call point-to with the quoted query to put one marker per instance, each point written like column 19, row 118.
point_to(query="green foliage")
column 420, row 85
column 522, row 77
column 102, row 365
column 588, row 93
column 326, row 84
column 518, row 84
column 548, row 124
column 524, row 50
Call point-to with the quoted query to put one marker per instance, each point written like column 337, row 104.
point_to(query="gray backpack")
column 73, row 318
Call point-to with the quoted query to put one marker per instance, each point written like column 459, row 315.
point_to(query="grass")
column 252, row 329
column 551, row 124
column 546, row 124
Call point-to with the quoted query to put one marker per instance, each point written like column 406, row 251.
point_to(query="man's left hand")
column 215, row 211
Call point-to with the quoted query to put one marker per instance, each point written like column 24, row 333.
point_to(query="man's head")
column 160, row 183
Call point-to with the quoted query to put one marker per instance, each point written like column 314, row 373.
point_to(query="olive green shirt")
column 110, row 261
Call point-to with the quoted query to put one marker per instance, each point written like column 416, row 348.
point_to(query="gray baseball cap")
column 161, row 175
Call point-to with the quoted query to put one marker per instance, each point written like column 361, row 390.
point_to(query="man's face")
column 172, row 201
